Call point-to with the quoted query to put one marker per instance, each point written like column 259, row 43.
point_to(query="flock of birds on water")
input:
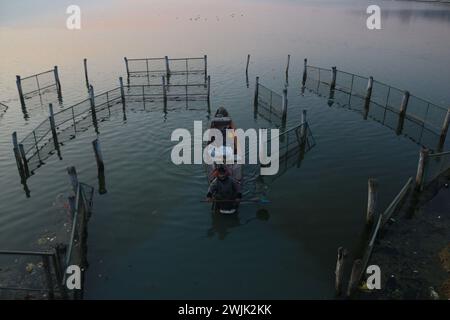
column 217, row 18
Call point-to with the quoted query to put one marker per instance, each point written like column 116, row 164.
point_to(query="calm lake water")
column 149, row 235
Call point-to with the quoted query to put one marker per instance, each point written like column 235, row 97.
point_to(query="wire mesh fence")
column 385, row 103
column 38, row 83
column 437, row 164
column 157, row 67
column 269, row 102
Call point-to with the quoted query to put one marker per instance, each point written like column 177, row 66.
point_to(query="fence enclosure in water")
column 393, row 107
column 42, row 274
column 38, row 84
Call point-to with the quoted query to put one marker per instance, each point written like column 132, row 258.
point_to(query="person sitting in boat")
column 225, row 190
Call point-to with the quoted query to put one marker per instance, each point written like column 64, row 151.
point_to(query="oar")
column 262, row 201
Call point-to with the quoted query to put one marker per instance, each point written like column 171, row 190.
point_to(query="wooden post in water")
column 86, row 77
column 421, row 167
column 255, row 101
column 73, row 178
column 164, row 93
column 19, row 88
column 167, row 66
column 287, row 69
column 444, row 130
column 56, row 260
column 372, row 199
column 126, row 66
column 122, row 94
column 248, row 62
column 100, row 166
column 333, row 78
column 206, row 67
column 284, row 107
column 58, row 83
column 368, row 97
column 18, row 156
column 402, row 112
column 305, row 72
column 93, row 112
column 53, row 129
column 340, row 265
column 209, row 88
column 354, row 277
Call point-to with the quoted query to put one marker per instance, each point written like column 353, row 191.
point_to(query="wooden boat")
column 222, row 122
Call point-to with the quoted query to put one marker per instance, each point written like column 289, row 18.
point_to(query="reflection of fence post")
column 340, row 264
column 421, row 167
column 17, row 155
column 53, row 129
column 86, row 73
column 100, row 166
column 164, row 93
column 122, row 94
column 284, row 107
column 305, row 73
column 255, row 102
column 354, row 277
column 206, row 66
column 19, row 88
column 93, row 112
column 333, row 78
column 167, row 66
column 368, row 97
column 444, row 130
column 24, row 160
column 303, row 130
column 126, row 66
column 58, row 83
column 371, row 200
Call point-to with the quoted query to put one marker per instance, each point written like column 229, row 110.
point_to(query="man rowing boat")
column 225, row 191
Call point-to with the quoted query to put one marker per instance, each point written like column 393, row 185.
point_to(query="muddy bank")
column 413, row 249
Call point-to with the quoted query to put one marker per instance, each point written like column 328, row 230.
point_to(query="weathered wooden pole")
column 255, row 101
column 205, row 58
column 421, row 168
column 164, row 87
column 24, row 160
column 126, row 66
column 209, row 88
column 372, row 199
column 93, row 112
column 402, row 113
column 100, row 166
column 444, row 130
column 340, row 269
column 56, row 260
column 248, row 62
column 58, row 83
column 19, row 88
column 284, row 107
column 73, row 178
column 367, row 97
column 287, row 66
column 333, row 78
column 86, row 77
column 305, row 71
column 51, row 119
column 122, row 94
column 167, row 66
column 18, row 156
column 404, row 104
column 354, row 277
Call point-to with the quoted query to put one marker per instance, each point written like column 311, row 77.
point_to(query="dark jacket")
column 226, row 189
